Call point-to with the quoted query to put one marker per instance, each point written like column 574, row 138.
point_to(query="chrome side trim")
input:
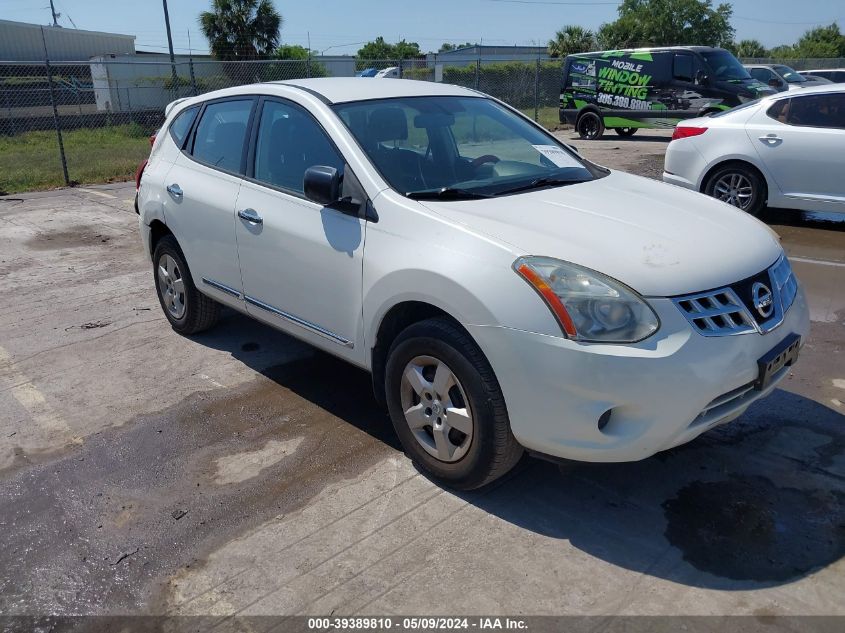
column 301, row 322
column 221, row 287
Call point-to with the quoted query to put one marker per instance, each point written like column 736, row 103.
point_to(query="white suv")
column 504, row 292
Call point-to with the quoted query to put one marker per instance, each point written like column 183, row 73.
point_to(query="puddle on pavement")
column 746, row 528
column 76, row 237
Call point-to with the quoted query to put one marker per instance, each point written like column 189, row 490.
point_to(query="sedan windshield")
column 790, row 75
column 725, row 66
column 447, row 147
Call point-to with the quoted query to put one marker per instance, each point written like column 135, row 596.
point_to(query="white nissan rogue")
column 504, row 292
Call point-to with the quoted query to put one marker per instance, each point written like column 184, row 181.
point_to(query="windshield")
column 725, row 66
column 458, row 147
column 789, row 74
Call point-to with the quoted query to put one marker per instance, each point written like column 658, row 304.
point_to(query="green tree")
column 572, row 39
column 668, row 22
column 380, row 49
column 241, row 29
column 447, row 46
column 784, row 51
column 749, row 48
column 822, row 41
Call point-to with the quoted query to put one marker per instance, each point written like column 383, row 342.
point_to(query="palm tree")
column 572, row 39
column 751, row 49
column 241, row 29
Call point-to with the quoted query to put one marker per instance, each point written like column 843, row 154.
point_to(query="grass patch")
column 547, row 117
column 31, row 161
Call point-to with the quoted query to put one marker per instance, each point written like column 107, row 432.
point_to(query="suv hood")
column 657, row 238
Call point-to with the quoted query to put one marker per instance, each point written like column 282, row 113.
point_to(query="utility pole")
column 169, row 44
column 55, row 15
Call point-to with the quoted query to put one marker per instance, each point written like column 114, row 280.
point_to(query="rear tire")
column 625, row 131
column 188, row 310
column 590, row 126
column 453, row 425
column 738, row 185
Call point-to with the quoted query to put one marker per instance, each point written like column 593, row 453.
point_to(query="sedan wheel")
column 436, row 410
column 735, row 189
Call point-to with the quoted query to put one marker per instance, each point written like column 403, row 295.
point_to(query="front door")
column 301, row 263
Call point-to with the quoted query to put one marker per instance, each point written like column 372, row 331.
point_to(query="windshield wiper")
column 446, row 193
column 541, row 182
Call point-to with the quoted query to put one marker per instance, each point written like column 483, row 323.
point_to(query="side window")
column 182, row 124
column 221, row 132
column 682, row 67
column 761, row 74
column 821, row 110
column 289, row 142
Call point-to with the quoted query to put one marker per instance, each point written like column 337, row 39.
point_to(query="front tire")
column 739, row 186
column 447, row 407
column 188, row 310
column 590, row 126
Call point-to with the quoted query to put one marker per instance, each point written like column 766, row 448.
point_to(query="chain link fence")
column 77, row 122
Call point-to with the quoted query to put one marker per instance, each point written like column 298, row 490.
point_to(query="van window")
column 182, row 124
column 682, row 67
column 725, row 66
column 221, row 133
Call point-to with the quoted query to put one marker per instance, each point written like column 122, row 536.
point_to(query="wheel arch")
column 744, row 162
column 397, row 318
column 158, row 230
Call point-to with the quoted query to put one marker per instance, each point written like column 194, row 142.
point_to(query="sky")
column 341, row 27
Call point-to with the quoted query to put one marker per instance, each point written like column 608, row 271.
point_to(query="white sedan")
column 505, row 293
column 787, row 151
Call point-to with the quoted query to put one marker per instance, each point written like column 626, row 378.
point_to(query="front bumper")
column 661, row 392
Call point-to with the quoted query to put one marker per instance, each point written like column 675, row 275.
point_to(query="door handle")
column 251, row 216
column 771, row 139
column 174, row 190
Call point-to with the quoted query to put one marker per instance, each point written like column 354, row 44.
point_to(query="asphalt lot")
column 239, row 471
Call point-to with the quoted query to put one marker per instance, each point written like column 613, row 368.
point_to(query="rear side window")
column 221, row 134
column 761, row 74
column 820, row 110
column 182, row 124
column 778, row 110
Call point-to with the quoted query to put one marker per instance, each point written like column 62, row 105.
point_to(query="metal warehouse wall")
column 22, row 42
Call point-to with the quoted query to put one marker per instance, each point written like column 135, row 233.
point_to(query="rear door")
column 301, row 262
column 801, row 141
column 202, row 188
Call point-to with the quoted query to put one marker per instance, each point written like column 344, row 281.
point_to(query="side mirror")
column 774, row 82
column 701, row 77
column 322, row 184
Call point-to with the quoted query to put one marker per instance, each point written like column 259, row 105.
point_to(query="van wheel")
column 188, row 310
column 625, row 131
column 447, row 407
column 739, row 186
column 589, row 126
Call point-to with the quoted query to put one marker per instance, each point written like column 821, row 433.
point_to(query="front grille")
column 734, row 309
column 716, row 313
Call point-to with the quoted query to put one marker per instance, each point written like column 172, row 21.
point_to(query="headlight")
column 588, row 306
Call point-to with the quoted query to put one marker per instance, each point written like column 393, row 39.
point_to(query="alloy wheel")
column 735, row 189
column 436, row 408
column 171, row 286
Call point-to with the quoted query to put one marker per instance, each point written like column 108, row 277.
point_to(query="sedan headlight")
column 588, row 305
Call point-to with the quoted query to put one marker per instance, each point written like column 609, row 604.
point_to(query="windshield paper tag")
column 556, row 155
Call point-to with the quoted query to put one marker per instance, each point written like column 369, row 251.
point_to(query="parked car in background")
column 835, row 75
column 367, row 72
column 651, row 88
column 781, row 77
column 786, row 151
column 505, row 293
column 389, row 73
